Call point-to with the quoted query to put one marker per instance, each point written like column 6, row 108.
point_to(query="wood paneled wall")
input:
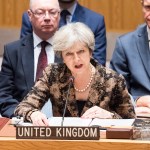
column 11, row 12
column 120, row 15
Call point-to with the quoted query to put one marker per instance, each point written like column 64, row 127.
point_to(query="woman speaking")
column 91, row 90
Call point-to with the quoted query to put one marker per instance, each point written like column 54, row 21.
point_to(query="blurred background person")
column 23, row 59
column 72, row 11
column 131, row 58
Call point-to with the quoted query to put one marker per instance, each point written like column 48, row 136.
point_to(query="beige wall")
column 120, row 16
column 11, row 12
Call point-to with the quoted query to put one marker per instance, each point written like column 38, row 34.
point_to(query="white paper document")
column 69, row 121
column 80, row 122
column 112, row 122
column 76, row 121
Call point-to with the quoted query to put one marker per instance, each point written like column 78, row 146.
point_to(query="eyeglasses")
column 40, row 13
column 146, row 7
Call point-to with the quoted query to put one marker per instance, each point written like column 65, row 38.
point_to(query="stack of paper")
column 112, row 122
column 76, row 121
column 69, row 121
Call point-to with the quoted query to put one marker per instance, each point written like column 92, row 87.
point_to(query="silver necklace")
column 88, row 84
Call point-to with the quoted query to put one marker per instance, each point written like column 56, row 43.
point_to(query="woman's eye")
column 68, row 54
column 81, row 51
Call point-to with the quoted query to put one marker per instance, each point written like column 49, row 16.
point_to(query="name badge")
column 59, row 133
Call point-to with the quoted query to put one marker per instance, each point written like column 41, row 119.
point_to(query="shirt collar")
column 72, row 9
column 38, row 40
column 148, row 31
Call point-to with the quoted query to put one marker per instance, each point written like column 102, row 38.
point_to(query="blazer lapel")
column 66, row 92
column 77, row 17
column 96, row 93
column 71, row 105
column 28, row 60
column 143, row 47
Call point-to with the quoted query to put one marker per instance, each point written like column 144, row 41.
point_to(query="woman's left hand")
column 142, row 110
column 97, row 112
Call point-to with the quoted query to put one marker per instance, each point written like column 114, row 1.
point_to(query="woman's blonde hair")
column 70, row 34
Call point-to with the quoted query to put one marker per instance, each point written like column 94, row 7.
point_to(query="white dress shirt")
column 47, row 108
column 71, row 10
column 37, row 50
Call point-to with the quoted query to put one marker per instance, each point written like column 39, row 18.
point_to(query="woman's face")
column 77, row 58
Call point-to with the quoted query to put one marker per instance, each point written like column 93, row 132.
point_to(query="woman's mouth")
column 78, row 66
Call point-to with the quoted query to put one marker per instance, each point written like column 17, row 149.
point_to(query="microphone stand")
column 71, row 79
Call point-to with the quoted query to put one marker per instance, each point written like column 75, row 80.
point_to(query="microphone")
column 70, row 81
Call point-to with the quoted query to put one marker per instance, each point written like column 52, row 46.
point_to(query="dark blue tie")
column 63, row 15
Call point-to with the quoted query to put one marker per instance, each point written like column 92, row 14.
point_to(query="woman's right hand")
column 39, row 119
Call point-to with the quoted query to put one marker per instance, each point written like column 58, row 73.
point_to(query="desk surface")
column 8, row 141
column 103, row 144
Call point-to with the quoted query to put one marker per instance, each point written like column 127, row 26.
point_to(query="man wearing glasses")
column 131, row 58
column 72, row 11
column 21, row 64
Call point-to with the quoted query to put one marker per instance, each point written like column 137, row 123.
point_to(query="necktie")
column 63, row 15
column 42, row 60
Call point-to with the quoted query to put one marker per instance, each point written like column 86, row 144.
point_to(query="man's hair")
column 32, row 2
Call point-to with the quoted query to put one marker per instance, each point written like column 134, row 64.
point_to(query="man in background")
column 72, row 11
column 131, row 58
column 24, row 60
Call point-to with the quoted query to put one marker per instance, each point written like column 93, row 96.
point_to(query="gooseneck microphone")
column 71, row 79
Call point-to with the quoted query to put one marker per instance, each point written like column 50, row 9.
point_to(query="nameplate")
column 59, row 133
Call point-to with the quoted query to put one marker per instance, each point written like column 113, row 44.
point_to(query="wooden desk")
column 9, row 142
column 103, row 144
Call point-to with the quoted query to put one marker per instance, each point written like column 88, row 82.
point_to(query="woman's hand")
column 39, row 119
column 97, row 112
column 141, row 110
column 143, row 101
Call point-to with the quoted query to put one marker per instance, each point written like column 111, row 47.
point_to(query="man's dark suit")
column 94, row 20
column 131, row 58
column 17, row 74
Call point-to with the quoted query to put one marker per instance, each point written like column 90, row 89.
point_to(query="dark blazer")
column 94, row 20
column 131, row 58
column 108, row 91
column 17, row 74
